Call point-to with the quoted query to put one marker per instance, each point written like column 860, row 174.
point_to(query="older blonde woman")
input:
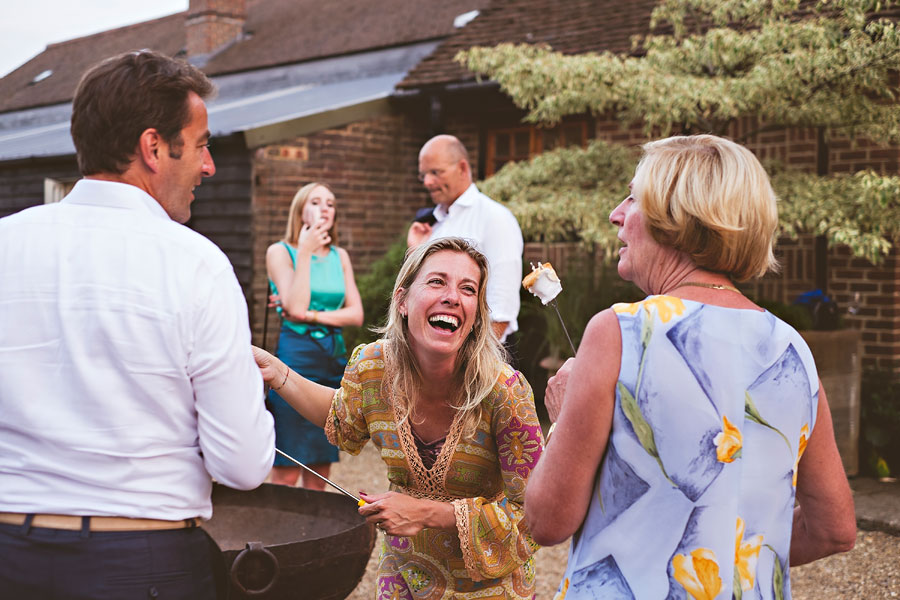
column 456, row 426
column 689, row 423
column 313, row 281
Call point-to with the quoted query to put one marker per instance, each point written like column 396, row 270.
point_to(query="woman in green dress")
column 312, row 281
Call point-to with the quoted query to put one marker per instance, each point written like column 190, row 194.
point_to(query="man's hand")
column 556, row 390
column 418, row 233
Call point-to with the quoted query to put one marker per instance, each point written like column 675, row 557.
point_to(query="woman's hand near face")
column 556, row 390
column 399, row 514
column 313, row 238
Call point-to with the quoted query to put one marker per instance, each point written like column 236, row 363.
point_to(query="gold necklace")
column 712, row 286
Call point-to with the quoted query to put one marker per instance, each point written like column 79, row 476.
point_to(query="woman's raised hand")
column 313, row 238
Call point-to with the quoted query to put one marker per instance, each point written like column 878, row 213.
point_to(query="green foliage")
column 861, row 210
column 880, row 422
column 719, row 60
column 713, row 61
column 375, row 288
column 566, row 194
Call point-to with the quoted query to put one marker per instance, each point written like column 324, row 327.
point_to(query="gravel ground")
column 870, row 571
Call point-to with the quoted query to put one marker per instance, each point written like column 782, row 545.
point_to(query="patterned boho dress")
column 695, row 495
column 484, row 478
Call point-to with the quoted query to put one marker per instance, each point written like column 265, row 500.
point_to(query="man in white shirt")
column 127, row 380
column 462, row 211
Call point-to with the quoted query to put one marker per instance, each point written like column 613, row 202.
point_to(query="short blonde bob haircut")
column 710, row 198
column 295, row 214
column 481, row 357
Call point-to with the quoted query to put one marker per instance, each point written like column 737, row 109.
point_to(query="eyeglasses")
column 432, row 172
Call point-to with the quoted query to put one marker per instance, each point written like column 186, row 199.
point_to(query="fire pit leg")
column 255, row 551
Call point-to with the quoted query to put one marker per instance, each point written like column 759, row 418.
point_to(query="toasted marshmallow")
column 543, row 282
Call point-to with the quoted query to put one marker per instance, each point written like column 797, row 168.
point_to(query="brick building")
column 477, row 111
column 346, row 93
column 304, row 93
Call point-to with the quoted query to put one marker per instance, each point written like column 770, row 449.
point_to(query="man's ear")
column 150, row 148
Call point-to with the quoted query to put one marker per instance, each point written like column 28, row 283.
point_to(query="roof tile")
column 570, row 26
column 280, row 32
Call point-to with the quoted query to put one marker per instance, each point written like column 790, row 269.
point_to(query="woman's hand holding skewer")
column 556, row 390
column 399, row 514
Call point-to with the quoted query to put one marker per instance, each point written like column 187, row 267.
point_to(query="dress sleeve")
column 346, row 425
column 492, row 532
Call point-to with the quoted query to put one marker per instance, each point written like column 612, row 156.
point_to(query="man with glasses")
column 461, row 210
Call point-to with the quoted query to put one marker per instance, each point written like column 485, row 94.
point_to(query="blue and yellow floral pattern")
column 714, row 407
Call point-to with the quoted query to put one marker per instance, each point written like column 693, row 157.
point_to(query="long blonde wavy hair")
column 481, row 357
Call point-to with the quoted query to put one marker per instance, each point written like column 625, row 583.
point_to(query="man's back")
column 124, row 362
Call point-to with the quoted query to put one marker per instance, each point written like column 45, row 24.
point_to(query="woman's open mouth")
column 444, row 322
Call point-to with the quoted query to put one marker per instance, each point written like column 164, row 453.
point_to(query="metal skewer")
column 359, row 501
column 561, row 322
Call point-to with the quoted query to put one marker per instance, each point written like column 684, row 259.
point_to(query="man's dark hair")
column 121, row 97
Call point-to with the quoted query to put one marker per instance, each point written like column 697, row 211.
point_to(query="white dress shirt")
column 496, row 234
column 126, row 376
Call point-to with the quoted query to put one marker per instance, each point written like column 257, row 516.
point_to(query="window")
column 56, row 189
column 525, row 142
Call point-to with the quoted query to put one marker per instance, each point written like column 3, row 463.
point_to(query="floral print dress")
column 484, row 478
column 695, row 495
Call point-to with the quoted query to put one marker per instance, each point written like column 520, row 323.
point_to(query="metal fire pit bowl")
column 280, row 542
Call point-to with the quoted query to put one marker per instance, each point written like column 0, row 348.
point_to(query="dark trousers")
column 55, row 564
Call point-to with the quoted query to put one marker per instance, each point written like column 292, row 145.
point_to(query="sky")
column 27, row 28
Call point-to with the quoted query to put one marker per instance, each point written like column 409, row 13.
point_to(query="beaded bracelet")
column 284, row 381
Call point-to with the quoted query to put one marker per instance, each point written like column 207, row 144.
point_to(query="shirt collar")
column 113, row 194
column 467, row 198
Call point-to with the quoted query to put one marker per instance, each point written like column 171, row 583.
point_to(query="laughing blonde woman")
column 454, row 423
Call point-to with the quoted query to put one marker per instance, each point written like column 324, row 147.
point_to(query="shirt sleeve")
column 493, row 535
column 236, row 433
column 346, row 425
column 503, row 248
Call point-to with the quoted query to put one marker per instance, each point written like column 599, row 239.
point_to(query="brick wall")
column 867, row 295
column 370, row 165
